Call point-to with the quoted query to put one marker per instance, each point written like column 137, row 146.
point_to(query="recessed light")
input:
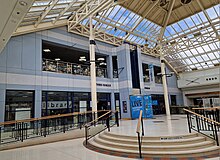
column 100, row 59
column 57, row 59
column 46, row 50
column 82, row 57
column 23, row 3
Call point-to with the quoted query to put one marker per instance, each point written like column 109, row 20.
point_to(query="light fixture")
column 115, row 29
column 46, row 50
column 82, row 60
column 197, row 34
column 102, row 64
column 82, row 57
column 23, row 3
column 57, row 59
column 100, row 59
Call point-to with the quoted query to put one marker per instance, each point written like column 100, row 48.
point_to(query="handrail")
column 139, row 126
column 209, row 108
column 139, row 122
column 49, row 117
column 208, row 119
column 203, row 125
column 95, row 120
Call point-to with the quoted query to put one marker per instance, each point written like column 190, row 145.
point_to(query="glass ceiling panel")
column 194, row 39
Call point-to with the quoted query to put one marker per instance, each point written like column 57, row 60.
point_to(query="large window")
column 158, row 78
column 115, row 66
column 70, row 60
column 19, row 105
column 146, row 75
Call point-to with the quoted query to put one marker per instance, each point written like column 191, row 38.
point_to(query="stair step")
column 154, row 147
column 191, row 135
column 186, row 153
column 153, row 142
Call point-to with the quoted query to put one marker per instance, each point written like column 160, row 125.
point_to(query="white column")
column 92, row 67
column 164, row 80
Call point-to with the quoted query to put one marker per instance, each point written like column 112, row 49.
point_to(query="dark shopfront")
column 54, row 102
column 158, row 104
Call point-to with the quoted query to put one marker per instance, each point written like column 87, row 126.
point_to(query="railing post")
column 116, row 118
column 197, row 123
column 216, row 134
column 142, row 125
column 22, row 131
column 139, row 143
column 188, row 119
column 0, row 135
column 107, row 124
column 86, row 133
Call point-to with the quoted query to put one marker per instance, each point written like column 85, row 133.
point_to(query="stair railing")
column 20, row 130
column 203, row 125
column 105, row 121
column 140, row 132
column 210, row 112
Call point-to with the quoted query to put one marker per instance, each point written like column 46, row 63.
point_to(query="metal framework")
column 186, row 34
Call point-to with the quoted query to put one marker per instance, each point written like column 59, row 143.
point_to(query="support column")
column 92, row 67
column 164, row 80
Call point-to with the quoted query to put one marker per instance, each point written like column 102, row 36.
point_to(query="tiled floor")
column 74, row 149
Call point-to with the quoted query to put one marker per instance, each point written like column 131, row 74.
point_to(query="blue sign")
column 136, row 103
column 147, row 103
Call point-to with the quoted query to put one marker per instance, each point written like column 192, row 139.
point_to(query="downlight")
column 186, row 1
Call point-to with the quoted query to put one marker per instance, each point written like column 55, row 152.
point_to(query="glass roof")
column 189, row 44
column 194, row 42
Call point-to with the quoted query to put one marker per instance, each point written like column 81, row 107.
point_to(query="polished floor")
column 74, row 149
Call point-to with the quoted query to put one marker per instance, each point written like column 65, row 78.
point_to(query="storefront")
column 19, row 105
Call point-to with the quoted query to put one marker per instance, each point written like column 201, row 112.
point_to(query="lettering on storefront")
column 56, row 105
column 103, row 84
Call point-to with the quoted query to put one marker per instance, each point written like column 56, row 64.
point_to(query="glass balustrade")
column 71, row 68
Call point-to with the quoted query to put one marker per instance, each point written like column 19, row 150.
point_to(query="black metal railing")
column 140, row 132
column 13, row 131
column 211, row 112
column 203, row 125
column 106, row 121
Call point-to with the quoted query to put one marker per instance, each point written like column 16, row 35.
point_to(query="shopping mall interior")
column 109, row 79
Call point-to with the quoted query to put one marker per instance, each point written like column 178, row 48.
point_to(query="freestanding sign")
column 138, row 103
column 147, row 103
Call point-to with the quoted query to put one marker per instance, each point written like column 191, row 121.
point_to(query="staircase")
column 181, row 146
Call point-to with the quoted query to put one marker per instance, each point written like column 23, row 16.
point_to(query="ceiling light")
column 23, row 3
column 82, row 60
column 57, row 59
column 102, row 64
column 46, row 50
column 100, row 59
column 82, row 57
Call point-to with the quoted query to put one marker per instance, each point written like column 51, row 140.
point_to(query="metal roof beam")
column 40, row 27
column 89, row 8
column 209, row 19
column 47, row 10
column 142, row 18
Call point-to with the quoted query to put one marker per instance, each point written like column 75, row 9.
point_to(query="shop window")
column 173, row 100
column 158, row 78
column 70, row 60
column 115, row 66
column 19, row 105
column 146, row 75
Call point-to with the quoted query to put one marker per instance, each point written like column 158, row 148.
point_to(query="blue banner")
column 136, row 103
column 147, row 104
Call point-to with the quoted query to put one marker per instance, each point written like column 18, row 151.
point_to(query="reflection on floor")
column 74, row 149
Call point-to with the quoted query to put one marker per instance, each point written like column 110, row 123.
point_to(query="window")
column 115, row 66
column 67, row 59
column 146, row 75
column 158, row 78
column 19, row 105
